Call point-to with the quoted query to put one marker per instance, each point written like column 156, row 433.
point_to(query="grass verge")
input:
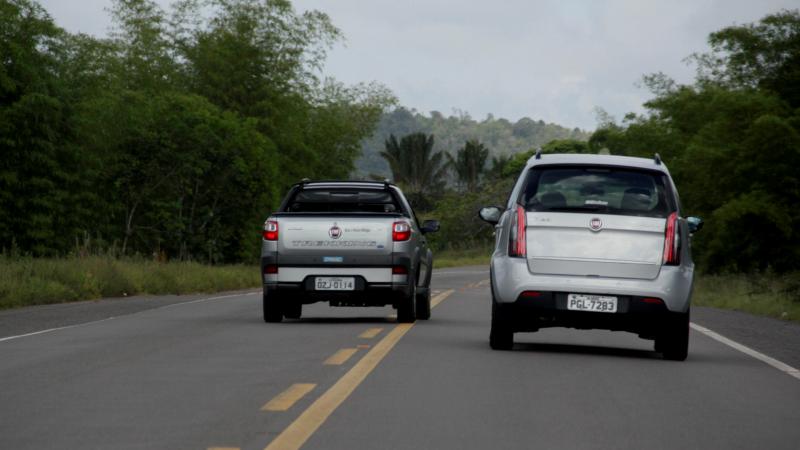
column 35, row 281
column 465, row 257
column 763, row 294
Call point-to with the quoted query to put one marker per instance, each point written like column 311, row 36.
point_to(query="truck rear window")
column 343, row 200
column 606, row 190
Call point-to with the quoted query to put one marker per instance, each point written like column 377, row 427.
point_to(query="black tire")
column 674, row 339
column 406, row 309
column 273, row 312
column 501, row 335
column 292, row 309
column 424, row 303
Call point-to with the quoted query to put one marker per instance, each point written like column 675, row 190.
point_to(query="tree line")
column 504, row 137
column 174, row 135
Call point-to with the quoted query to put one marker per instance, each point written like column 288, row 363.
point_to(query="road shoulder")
column 779, row 339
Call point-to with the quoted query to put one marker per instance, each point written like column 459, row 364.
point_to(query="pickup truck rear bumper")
column 374, row 286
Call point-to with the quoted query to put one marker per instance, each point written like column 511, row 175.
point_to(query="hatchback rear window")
column 342, row 200
column 607, row 190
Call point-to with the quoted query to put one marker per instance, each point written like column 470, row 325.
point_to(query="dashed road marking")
column 298, row 432
column 289, row 397
column 370, row 333
column 783, row 367
column 340, row 357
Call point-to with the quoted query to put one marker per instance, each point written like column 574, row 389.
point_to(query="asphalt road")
column 165, row 373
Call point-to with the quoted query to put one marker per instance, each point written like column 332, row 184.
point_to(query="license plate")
column 334, row 283
column 595, row 303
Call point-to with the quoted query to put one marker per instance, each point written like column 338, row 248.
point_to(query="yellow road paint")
column 289, row 397
column 298, row 432
column 371, row 333
column 438, row 299
column 340, row 357
column 363, row 346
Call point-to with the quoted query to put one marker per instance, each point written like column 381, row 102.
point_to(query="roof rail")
column 538, row 153
column 657, row 159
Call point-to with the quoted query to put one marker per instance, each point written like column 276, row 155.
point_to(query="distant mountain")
column 500, row 135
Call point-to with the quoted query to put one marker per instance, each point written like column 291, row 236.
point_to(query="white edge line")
column 783, row 367
column 50, row 330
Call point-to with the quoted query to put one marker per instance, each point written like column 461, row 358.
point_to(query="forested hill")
column 499, row 135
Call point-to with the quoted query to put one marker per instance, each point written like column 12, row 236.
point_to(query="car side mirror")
column 490, row 214
column 429, row 226
column 695, row 224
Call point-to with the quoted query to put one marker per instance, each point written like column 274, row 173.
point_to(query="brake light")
column 271, row 268
column 516, row 240
column 672, row 241
column 652, row 300
column 271, row 230
column 399, row 270
column 530, row 294
column 401, row 231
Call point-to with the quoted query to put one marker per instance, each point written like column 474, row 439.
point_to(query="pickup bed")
column 350, row 243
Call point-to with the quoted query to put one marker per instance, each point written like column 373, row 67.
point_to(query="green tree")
column 419, row 170
column 469, row 164
column 765, row 55
column 42, row 183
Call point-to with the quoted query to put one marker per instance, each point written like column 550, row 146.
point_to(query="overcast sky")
column 550, row 60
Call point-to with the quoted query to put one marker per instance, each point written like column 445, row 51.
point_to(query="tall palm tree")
column 469, row 164
column 415, row 167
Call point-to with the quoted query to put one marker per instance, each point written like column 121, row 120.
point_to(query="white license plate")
column 595, row 303
column 334, row 283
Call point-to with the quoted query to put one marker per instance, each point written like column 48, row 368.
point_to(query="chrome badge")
column 596, row 224
column 335, row 232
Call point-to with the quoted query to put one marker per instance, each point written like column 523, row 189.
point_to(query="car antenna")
column 657, row 159
column 539, row 153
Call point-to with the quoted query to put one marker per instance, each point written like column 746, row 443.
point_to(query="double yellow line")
column 298, row 432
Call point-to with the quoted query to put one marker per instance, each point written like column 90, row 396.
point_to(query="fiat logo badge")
column 595, row 224
column 335, row 232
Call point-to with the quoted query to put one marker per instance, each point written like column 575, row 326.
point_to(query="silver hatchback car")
column 593, row 241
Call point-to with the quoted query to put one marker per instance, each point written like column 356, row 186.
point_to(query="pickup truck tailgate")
column 335, row 236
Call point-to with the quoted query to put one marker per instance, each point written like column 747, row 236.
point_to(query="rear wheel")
column 292, row 309
column 501, row 335
column 406, row 310
column 424, row 303
column 272, row 307
column 674, row 339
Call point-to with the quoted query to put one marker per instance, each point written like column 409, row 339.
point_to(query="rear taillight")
column 401, row 231
column 271, row 268
column 516, row 239
column 271, row 230
column 672, row 238
column 399, row 270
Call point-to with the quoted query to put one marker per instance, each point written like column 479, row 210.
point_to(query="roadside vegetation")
column 770, row 295
column 26, row 281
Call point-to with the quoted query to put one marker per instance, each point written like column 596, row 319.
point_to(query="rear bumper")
column 368, row 294
column 511, row 277
column 374, row 286
column 550, row 310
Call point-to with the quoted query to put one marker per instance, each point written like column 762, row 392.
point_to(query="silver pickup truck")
column 350, row 243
